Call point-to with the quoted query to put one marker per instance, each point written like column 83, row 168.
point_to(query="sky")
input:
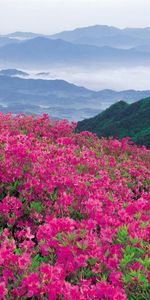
column 51, row 16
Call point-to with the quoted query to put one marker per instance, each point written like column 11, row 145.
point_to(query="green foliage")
column 18, row 251
column 37, row 206
column 82, row 246
column 122, row 235
column 122, row 120
column 14, row 188
column 134, row 251
column 37, row 260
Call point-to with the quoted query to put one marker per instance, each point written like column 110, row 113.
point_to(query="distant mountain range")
column 23, row 35
column 93, row 49
column 12, row 72
column 58, row 98
column 4, row 41
column 97, row 35
column 98, row 46
column 45, row 52
column 102, row 35
column 122, row 120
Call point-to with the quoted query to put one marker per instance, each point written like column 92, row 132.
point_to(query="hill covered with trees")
column 122, row 120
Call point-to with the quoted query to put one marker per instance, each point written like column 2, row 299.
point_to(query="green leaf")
column 82, row 246
column 92, row 261
column 85, row 245
column 38, row 206
column 82, row 233
column 18, row 251
column 107, row 253
column 71, row 236
column 126, row 260
column 113, row 176
column 122, row 234
column 129, row 250
column 59, row 237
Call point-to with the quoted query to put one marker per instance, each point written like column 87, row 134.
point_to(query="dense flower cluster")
column 74, row 213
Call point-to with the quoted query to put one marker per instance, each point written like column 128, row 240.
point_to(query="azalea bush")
column 74, row 213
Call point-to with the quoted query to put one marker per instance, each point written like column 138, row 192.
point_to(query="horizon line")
column 75, row 28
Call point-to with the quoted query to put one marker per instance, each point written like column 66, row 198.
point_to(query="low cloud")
column 116, row 79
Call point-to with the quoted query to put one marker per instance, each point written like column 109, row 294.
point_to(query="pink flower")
column 73, row 207
column 3, row 290
column 32, row 284
column 24, row 261
column 116, row 278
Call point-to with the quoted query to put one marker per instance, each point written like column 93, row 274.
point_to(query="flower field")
column 74, row 213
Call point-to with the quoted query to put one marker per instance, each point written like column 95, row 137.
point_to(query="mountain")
column 96, row 35
column 6, row 41
column 23, row 35
column 43, row 74
column 46, row 52
column 102, row 35
column 111, row 96
column 143, row 48
column 94, row 46
column 122, row 120
column 58, row 98
column 39, row 87
column 13, row 72
column 60, row 91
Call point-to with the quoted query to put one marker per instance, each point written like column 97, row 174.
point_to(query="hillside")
column 103, row 35
column 122, row 120
column 96, row 35
column 74, row 213
column 58, row 98
column 12, row 72
column 4, row 40
column 46, row 52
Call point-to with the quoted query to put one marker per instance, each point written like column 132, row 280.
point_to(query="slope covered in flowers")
column 74, row 213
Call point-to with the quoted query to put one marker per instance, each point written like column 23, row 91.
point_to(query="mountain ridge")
column 76, row 102
column 47, row 52
column 122, row 120
column 128, row 36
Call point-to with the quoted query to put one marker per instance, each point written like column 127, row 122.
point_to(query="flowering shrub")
column 74, row 213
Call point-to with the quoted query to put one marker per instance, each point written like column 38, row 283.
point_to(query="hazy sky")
column 50, row 16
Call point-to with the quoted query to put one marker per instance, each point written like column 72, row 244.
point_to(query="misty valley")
column 74, row 74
